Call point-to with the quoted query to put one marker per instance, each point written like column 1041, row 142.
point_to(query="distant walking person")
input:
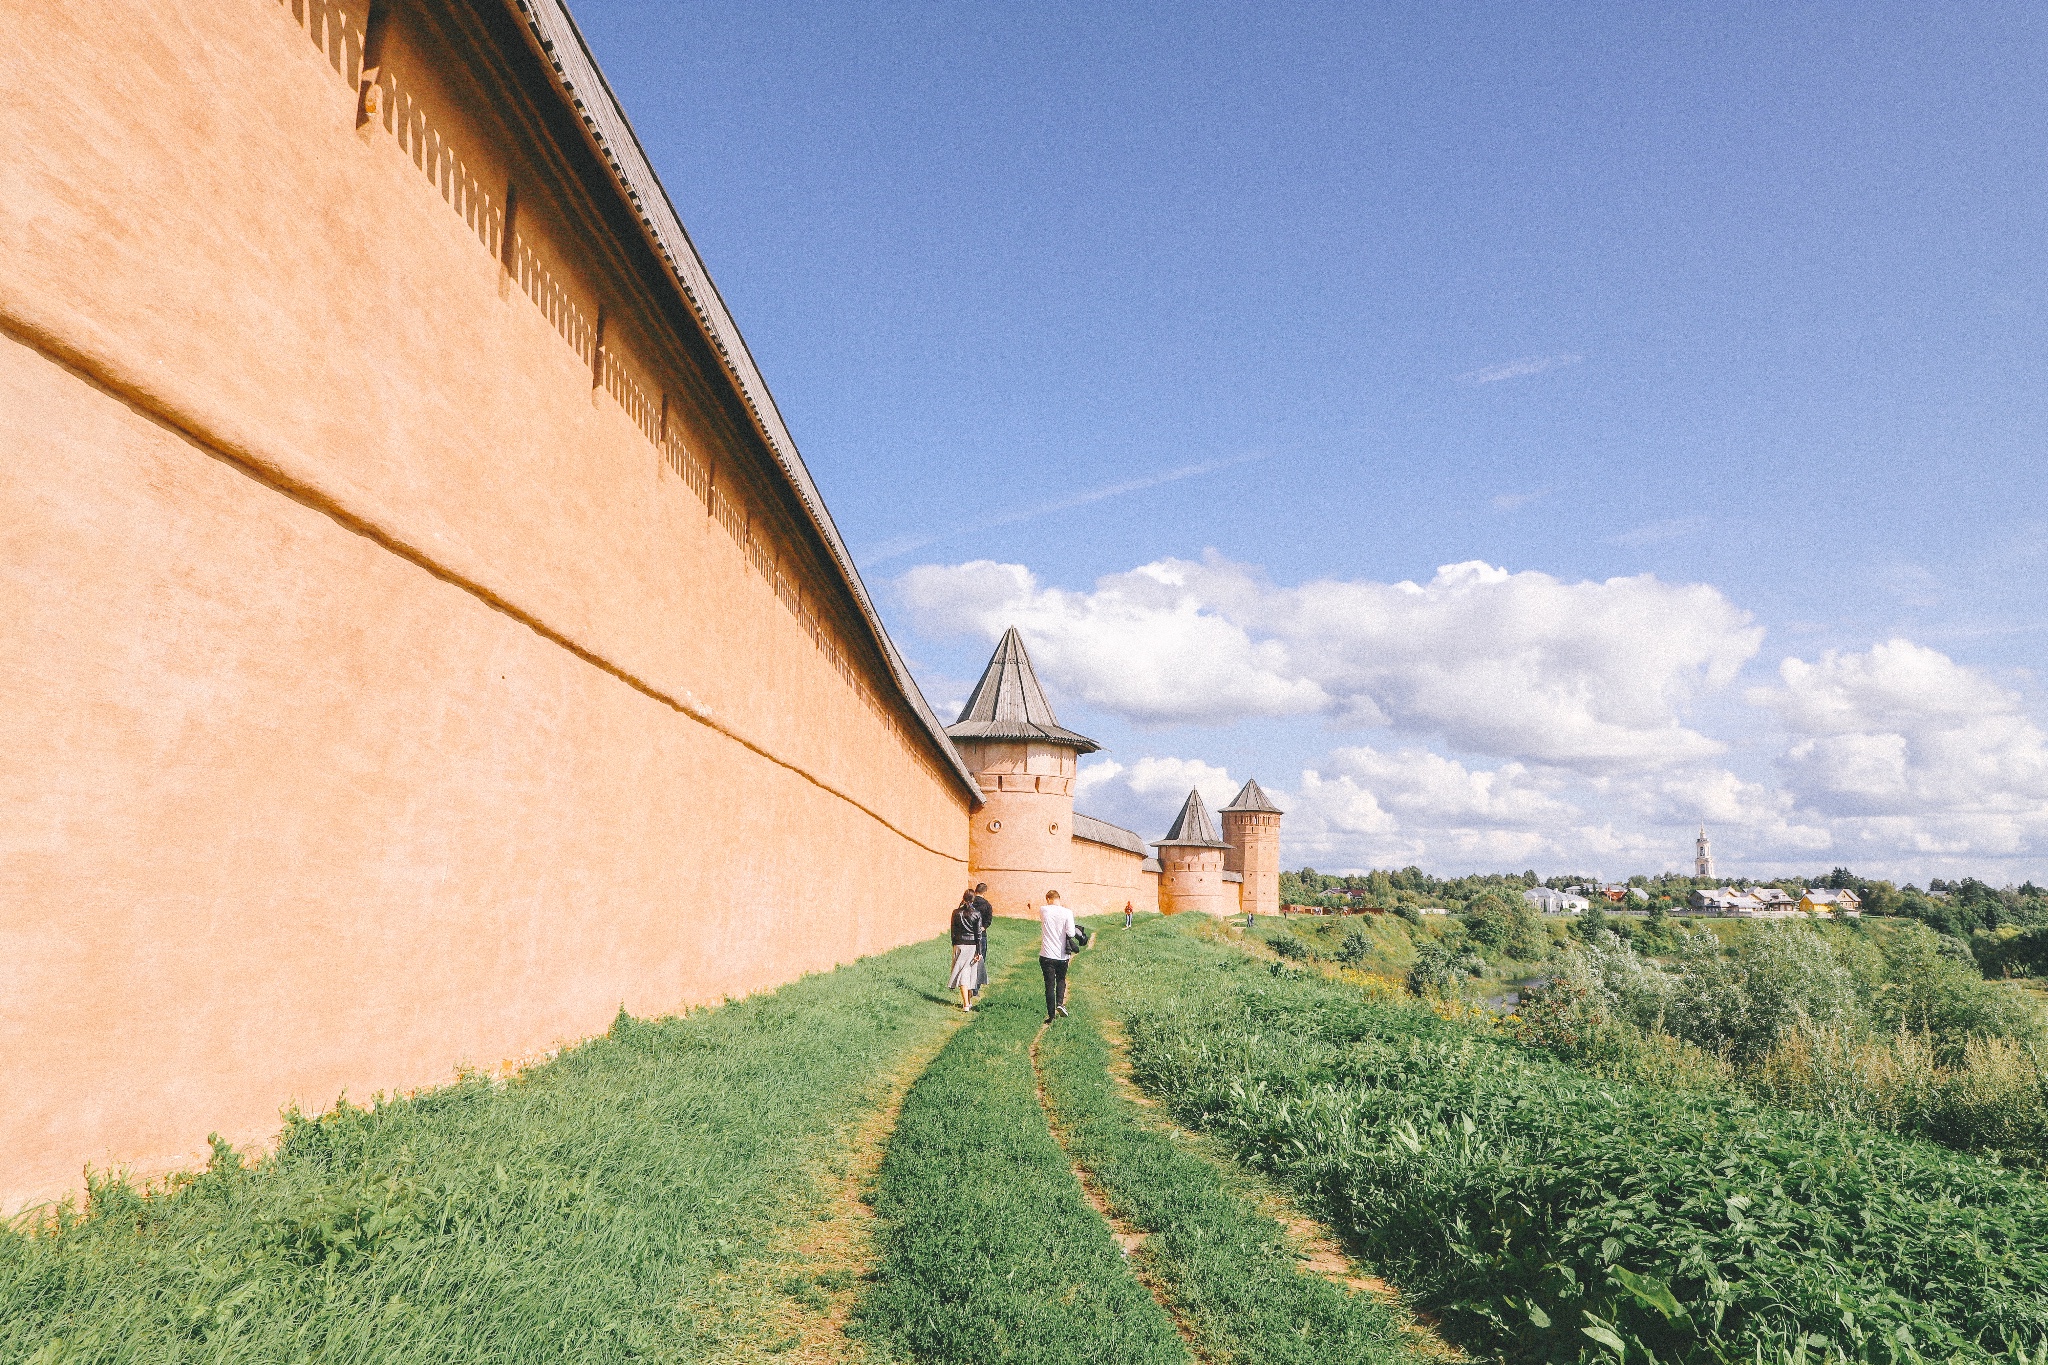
column 988, row 917
column 1127, row 914
column 1058, row 939
column 966, row 952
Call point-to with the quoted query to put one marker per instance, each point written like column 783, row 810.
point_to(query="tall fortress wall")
column 427, row 638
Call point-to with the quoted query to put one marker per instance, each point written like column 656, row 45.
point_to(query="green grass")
column 1549, row 1215
column 990, row 1252
column 621, row 1202
column 1226, row 1267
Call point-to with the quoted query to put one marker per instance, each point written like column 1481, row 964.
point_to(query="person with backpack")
column 967, row 930
column 1059, row 938
column 988, row 917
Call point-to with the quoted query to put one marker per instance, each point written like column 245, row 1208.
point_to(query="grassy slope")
column 990, row 1250
column 621, row 1202
column 1226, row 1267
column 1519, row 1196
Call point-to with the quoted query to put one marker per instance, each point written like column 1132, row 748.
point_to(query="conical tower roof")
column 1253, row 797
column 1192, row 828
column 1008, row 703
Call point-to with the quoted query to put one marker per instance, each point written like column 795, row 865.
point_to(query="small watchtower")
column 1021, row 840
column 1191, row 863
column 1251, row 826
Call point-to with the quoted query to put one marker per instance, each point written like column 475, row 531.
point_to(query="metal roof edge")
column 581, row 82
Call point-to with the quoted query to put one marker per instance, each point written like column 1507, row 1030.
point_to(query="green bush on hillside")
column 1440, row 962
column 1290, row 947
column 2011, row 951
column 1511, row 929
column 1897, row 1031
column 1741, row 1002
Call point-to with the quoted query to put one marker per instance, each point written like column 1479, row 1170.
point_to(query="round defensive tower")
column 1251, row 826
column 1021, row 840
column 1191, row 864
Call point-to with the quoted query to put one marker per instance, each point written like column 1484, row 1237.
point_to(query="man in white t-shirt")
column 1055, row 927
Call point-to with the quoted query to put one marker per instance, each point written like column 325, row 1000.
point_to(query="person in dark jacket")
column 967, row 933
column 988, row 917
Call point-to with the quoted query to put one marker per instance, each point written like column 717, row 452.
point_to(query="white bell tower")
column 1703, row 857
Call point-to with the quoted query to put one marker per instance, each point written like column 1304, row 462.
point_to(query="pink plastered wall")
column 382, row 697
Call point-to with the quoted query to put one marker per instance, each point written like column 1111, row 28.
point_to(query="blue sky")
column 1214, row 323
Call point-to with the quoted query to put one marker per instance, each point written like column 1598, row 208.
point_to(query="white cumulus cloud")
column 1420, row 786
column 1931, row 754
column 1524, row 666
column 1762, row 821
column 1149, row 791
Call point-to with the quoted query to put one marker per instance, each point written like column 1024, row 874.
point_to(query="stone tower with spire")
column 1191, row 863
column 1703, row 857
column 1021, row 840
column 1251, row 826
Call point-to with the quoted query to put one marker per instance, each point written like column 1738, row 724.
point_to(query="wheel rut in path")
column 1128, row 1236
column 1317, row 1249
column 820, row 1263
column 988, row 1246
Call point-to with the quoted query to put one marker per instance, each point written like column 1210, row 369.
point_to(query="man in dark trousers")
column 988, row 917
column 1057, row 939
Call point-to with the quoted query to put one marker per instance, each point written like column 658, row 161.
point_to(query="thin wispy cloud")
column 1508, row 502
column 906, row 544
column 1519, row 369
column 1657, row 532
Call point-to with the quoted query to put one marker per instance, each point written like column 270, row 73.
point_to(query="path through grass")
column 1228, row 1271
column 641, row 1197
column 990, row 1251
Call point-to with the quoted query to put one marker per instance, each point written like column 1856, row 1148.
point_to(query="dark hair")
column 981, row 886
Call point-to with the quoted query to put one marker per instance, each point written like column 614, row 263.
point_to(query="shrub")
column 1937, row 1052
column 2013, row 952
column 1439, row 962
column 1614, row 980
column 1741, row 1002
column 1355, row 949
column 1932, row 987
column 1290, row 947
column 1511, row 929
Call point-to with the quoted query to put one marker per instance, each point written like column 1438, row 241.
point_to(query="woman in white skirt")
column 966, row 947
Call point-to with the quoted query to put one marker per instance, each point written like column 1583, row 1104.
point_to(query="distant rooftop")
column 1008, row 703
